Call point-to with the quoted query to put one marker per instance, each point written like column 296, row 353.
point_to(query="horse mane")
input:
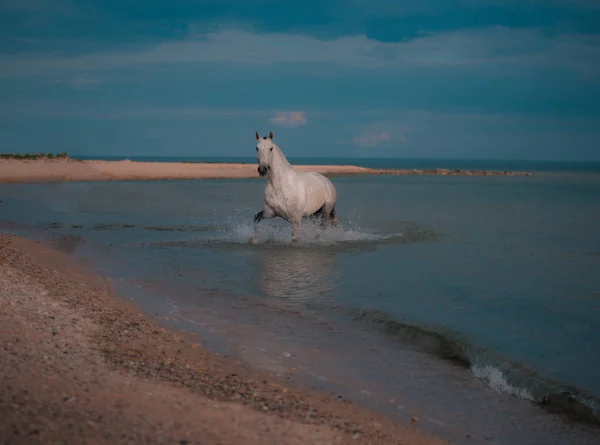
column 284, row 160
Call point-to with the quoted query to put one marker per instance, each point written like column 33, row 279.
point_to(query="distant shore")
column 53, row 170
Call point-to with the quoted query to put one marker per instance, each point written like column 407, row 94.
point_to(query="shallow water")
column 499, row 274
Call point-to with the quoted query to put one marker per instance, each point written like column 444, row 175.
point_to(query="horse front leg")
column 295, row 230
column 266, row 213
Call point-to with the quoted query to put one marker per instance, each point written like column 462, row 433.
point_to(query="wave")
column 500, row 373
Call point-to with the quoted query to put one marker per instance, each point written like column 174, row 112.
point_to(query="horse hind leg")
column 317, row 214
column 328, row 217
column 332, row 218
column 322, row 213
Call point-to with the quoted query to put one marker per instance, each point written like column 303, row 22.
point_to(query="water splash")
column 238, row 229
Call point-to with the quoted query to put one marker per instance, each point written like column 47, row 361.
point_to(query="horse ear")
column 271, row 135
column 257, row 136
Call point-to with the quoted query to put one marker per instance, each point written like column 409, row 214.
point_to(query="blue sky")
column 499, row 79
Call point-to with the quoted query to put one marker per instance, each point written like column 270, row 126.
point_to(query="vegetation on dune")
column 34, row 156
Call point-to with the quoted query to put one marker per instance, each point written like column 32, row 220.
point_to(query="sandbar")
column 58, row 170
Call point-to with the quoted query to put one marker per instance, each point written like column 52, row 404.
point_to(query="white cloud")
column 289, row 118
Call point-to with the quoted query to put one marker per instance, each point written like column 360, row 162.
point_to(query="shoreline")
column 82, row 364
column 46, row 170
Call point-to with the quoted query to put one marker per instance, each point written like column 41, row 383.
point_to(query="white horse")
column 290, row 194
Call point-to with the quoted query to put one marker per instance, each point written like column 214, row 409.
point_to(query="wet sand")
column 81, row 365
column 45, row 170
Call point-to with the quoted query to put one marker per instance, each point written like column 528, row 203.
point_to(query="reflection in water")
column 298, row 274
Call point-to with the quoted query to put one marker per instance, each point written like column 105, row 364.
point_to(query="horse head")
column 264, row 153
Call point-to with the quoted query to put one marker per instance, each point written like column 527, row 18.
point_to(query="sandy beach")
column 46, row 170
column 81, row 365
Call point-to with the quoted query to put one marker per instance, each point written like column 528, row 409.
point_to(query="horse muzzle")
column 262, row 169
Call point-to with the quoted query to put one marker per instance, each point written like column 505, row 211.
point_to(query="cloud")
column 83, row 83
column 108, row 22
column 381, row 133
column 376, row 139
column 483, row 49
column 107, row 112
column 289, row 118
column 371, row 140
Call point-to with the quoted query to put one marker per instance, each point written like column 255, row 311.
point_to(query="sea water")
column 471, row 301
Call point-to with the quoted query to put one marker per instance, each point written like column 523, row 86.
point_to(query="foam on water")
column 498, row 382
